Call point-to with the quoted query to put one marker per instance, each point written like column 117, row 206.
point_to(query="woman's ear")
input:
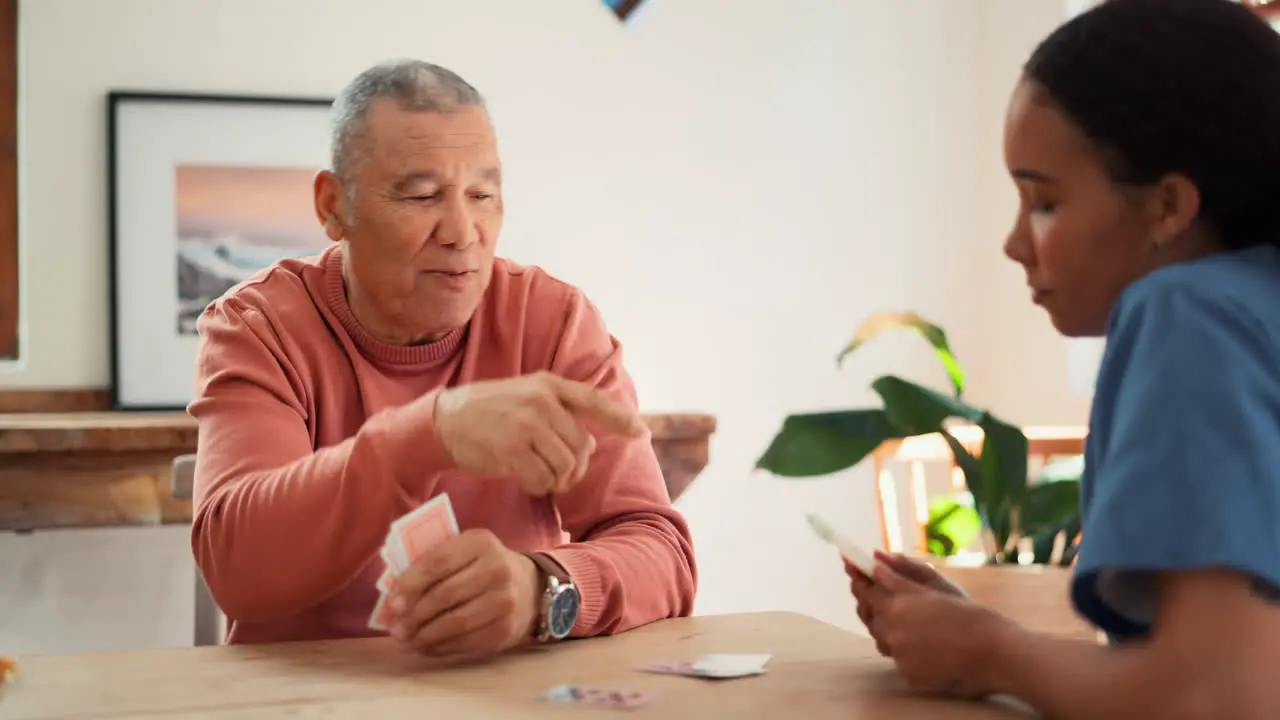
column 1172, row 208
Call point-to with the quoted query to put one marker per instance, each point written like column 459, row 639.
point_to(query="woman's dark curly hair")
column 1177, row 86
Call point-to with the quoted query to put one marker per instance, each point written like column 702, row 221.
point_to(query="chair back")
column 183, row 477
column 210, row 623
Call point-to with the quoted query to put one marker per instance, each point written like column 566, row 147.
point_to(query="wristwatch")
column 560, row 601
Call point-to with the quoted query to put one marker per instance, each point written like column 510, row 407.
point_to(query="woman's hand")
column 917, row 571
column 940, row 640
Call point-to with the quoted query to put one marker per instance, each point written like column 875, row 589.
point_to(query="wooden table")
column 817, row 671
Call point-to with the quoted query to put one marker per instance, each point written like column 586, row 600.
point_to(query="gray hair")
column 413, row 84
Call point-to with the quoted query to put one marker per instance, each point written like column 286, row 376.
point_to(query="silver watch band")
column 553, row 576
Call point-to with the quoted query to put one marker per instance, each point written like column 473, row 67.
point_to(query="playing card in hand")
column 408, row 538
column 864, row 561
column 415, row 533
column 381, row 617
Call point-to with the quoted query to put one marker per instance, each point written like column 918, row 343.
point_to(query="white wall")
column 1025, row 373
column 735, row 183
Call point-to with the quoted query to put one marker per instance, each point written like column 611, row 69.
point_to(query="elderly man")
column 337, row 393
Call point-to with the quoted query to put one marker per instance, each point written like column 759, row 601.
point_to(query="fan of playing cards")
column 408, row 539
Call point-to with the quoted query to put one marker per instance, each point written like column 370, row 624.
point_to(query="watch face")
column 564, row 611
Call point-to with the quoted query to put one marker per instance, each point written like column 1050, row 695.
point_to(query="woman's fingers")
column 910, row 568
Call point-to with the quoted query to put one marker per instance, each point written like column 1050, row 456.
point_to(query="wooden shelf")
column 96, row 432
column 95, row 469
column 125, row 431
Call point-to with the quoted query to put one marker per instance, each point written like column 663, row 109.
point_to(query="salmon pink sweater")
column 309, row 448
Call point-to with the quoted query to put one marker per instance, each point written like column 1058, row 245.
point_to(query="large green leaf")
column 1072, row 530
column 1050, row 504
column 995, row 498
column 1011, row 445
column 972, row 470
column 918, row 409
column 1042, row 542
column 921, row 410
column 815, row 444
column 879, row 323
column 998, row 480
column 1055, row 502
column 1004, row 475
column 1052, row 508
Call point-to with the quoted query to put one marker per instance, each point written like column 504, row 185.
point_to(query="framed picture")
column 203, row 191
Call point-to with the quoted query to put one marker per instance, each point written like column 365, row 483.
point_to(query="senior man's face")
column 427, row 214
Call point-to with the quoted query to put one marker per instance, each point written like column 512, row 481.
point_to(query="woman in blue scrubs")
column 1144, row 142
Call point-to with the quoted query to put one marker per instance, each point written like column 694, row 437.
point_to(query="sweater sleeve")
column 280, row 525
column 630, row 553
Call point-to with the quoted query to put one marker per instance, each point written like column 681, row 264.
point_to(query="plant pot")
column 1035, row 596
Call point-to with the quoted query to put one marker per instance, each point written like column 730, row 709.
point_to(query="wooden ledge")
column 96, row 432
column 680, row 426
column 130, row 431
column 103, row 469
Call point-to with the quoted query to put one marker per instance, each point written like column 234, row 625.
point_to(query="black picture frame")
column 131, row 200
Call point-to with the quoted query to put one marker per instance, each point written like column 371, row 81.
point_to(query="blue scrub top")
column 1182, row 462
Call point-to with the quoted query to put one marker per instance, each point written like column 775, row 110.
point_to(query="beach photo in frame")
column 203, row 191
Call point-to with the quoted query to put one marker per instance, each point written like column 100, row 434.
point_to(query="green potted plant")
column 1017, row 522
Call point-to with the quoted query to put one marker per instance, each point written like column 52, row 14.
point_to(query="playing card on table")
column 729, row 665
column 717, row 666
column 408, row 538
column 597, row 696
column 667, row 667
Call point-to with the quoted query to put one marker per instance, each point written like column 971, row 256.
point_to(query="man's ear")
column 331, row 205
column 1174, row 204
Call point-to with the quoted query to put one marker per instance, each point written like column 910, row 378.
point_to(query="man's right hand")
column 537, row 429
column 914, row 570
